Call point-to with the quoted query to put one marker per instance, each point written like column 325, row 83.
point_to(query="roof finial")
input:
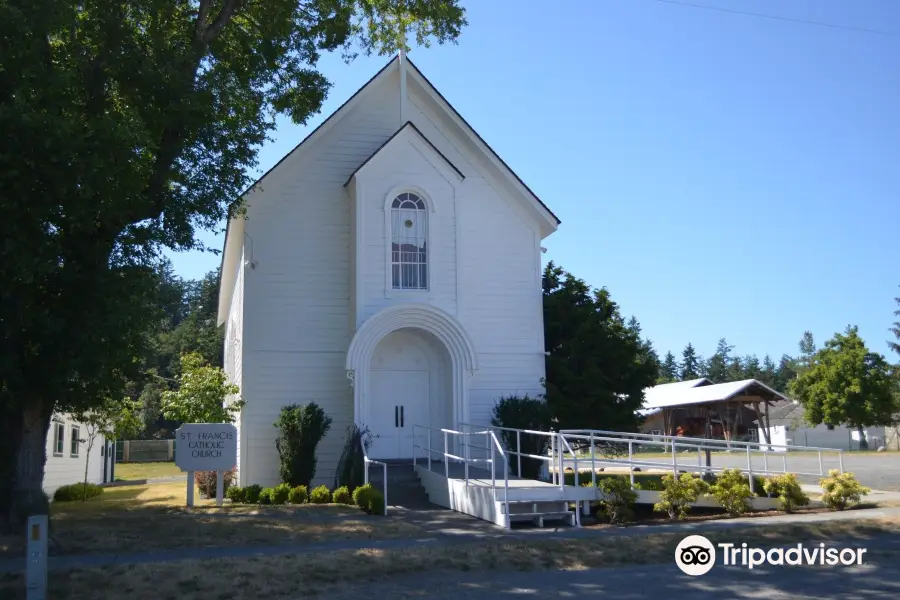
column 401, row 18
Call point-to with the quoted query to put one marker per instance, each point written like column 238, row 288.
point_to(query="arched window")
column 409, row 251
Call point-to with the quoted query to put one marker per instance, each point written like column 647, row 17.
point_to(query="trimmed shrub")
column 300, row 429
column 251, row 493
column 298, row 495
column 618, row 504
column 266, row 496
column 788, row 491
column 342, row 495
column 523, row 412
column 732, row 491
column 842, row 491
column 679, row 493
column 236, row 494
column 361, row 496
column 206, row 482
column 281, row 493
column 320, row 495
column 351, row 468
column 376, row 503
column 76, row 491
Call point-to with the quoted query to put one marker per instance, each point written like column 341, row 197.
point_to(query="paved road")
column 878, row 471
column 878, row 577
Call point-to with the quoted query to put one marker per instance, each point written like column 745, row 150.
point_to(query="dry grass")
column 336, row 572
column 132, row 471
column 154, row 517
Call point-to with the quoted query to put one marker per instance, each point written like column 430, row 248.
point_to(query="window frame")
column 429, row 212
column 75, row 441
column 59, row 438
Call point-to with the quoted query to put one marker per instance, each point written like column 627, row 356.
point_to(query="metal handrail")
column 680, row 439
column 686, row 443
column 368, row 461
column 518, row 451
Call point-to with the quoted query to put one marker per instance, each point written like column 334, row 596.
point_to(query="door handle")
column 401, row 417
column 396, row 418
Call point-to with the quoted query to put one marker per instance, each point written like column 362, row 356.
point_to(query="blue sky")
column 721, row 174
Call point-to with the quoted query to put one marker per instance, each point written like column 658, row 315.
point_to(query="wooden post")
column 220, row 487
column 190, row 488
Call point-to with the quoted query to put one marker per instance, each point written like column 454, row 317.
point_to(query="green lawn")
column 132, row 471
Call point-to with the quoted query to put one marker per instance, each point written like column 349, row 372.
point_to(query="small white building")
column 788, row 427
column 67, row 456
column 388, row 269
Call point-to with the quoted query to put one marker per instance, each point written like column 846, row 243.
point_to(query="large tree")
column 845, row 383
column 127, row 125
column 597, row 364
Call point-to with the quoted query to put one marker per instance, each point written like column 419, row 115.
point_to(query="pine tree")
column 895, row 329
column 690, row 363
column 717, row 365
column 668, row 369
column 768, row 371
column 807, row 350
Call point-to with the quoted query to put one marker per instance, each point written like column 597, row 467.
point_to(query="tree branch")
column 221, row 20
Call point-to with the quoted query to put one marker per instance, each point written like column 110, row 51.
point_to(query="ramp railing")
column 368, row 461
column 614, row 444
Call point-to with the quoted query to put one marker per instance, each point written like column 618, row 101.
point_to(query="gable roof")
column 709, row 393
column 230, row 256
column 412, row 127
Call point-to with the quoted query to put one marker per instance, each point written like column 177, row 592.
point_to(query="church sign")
column 205, row 447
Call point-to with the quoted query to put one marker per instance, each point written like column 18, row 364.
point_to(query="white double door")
column 400, row 399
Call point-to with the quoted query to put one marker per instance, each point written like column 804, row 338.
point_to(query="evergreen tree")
column 717, row 365
column 668, row 369
column 736, row 371
column 807, row 350
column 767, row 376
column 597, row 365
column 785, row 373
column 690, row 363
column 895, row 329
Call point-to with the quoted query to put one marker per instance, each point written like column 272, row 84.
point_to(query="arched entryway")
column 409, row 365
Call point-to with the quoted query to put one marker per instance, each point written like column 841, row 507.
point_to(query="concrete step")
column 541, row 518
column 404, row 488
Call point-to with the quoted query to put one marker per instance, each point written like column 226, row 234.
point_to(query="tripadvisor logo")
column 696, row 555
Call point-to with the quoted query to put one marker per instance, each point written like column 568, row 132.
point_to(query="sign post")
column 36, row 563
column 206, row 447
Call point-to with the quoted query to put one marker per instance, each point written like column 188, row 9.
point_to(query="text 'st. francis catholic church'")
column 389, row 269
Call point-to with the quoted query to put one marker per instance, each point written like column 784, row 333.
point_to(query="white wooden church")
column 389, row 269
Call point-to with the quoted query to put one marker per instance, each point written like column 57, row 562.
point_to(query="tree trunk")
column 863, row 442
column 28, row 456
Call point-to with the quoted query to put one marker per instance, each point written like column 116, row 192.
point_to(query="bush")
column 298, row 495
column 787, row 490
column 300, row 429
column 841, row 491
column 351, row 468
column 361, row 495
column 376, row 503
column 342, row 495
column 618, row 504
column 679, row 493
column 252, row 493
column 266, row 496
column 236, row 494
column 206, row 482
column 76, row 491
column 732, row 491
column 523, row 412
column 281, row 493
column 320, row 495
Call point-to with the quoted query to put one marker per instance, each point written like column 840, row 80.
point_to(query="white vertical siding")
column 65, row 469
column 300, row 301
column 398, row 165
column 297, row 300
